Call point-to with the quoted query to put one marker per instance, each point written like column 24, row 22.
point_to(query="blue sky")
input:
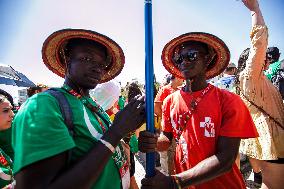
column 26, row 24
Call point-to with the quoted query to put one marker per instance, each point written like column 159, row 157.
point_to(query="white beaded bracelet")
column 108, row 145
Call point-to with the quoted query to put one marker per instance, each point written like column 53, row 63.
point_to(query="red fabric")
column 225, row 114
column 109, row 112
column 164, row 92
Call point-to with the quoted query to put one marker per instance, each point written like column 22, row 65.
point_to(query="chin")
column 90, row 85
column 5, row 127
column 188, row 75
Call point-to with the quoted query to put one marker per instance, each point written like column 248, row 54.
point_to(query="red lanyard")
column 95, row 110
column 193, row 104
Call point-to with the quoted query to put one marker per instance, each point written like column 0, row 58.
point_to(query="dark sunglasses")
column 190, row 56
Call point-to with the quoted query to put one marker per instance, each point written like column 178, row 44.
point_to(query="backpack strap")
column 64, row 108
column 66, row 114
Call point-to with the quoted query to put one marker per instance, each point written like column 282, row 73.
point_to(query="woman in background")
column 6, row 164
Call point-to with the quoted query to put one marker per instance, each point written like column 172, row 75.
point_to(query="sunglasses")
column 190, row 56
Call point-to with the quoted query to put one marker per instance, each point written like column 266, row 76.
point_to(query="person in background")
column 37, row 89
column 166, row 80
column 274, row 69
column 6, row 135
column 121, row 101
column 266, row 152
column 6, row 163
column 166, row 157
column 227, row 82
column 272, row 63
column 51, row 154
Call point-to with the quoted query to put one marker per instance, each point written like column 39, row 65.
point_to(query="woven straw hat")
column 54, row 44
column 218, row 64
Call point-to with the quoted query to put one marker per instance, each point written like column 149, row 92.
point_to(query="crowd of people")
column 89, row 132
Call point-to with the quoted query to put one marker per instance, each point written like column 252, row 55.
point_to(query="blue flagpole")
column 149, row 83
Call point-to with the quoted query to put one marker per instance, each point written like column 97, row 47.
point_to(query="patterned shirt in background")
column 227, row 82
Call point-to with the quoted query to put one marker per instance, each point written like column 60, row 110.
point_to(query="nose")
column 11, row 114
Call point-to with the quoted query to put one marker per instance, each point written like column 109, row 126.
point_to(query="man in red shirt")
column 206, row 122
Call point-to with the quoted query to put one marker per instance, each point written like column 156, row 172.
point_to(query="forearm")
column 158, row 108
column 206, row 170
column 86, row 172
column 257, row 18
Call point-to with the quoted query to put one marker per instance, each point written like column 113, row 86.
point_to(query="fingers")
column 158, row 181
column 147, row 183
column 147, row 141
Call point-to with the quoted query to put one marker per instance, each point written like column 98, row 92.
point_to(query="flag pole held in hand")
column 149, row 83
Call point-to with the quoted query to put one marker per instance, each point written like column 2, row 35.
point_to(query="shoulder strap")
column 263, row 111
column 64, row 107
column 66, row 114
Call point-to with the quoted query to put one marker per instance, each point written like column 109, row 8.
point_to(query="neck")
column 174, row 85
column 198, row 84
column 80, row 90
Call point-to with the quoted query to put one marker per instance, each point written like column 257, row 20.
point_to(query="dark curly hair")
column 241, row 66
column 7, row 96
column 133, row 90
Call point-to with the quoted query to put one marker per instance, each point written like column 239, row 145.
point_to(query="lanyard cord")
column 97, row 111
column 193, row 104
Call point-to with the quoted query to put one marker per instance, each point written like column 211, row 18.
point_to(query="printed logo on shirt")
column 209, row 129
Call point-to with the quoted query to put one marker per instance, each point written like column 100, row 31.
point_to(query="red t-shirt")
column 164, row 92
column 219, row 113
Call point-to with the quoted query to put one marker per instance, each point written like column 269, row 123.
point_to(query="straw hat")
column 218, row 64
column 54, row 44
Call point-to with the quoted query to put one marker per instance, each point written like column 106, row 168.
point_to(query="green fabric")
column 133, row 143
column 39, row 132
column 5, row 169
column 272, row 69
column 121, row 102
column 6, row 142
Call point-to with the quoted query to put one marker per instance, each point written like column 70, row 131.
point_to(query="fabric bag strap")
column 263, row 111
column 64, row 108
column 66, row 114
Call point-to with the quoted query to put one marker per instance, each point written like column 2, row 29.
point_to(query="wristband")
column 108, row 145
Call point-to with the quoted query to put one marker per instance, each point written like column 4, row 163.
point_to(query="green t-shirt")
column 272, row 69
column 6, row 166
column 39, row 132
column 6, row 142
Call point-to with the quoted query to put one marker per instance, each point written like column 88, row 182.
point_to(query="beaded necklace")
column 186, row 116
column 96, row 110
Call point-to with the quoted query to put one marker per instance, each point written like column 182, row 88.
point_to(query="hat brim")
column 53, row 44
column 221, row 59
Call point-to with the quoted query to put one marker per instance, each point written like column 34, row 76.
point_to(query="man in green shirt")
column 272, row 62
column 46, row 156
